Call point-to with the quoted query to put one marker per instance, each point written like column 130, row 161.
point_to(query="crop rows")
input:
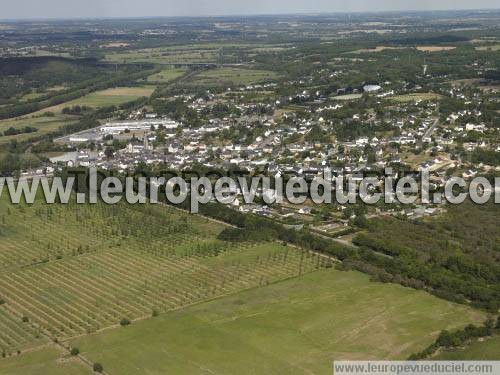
column 73, row 270
column 16, row 334
column 84, row 294
column 40, row 233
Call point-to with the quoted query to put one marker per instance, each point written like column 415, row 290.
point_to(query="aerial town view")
column 249, row 188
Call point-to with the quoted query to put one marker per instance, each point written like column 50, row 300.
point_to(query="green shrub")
column 124, row 322
column 97, row 367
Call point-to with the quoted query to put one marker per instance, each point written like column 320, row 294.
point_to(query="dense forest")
column 457, row 255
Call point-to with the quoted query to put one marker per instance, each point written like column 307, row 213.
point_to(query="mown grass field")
column 48, row 360
column 231, row 77
column 70, row 270
column 493, row 48
column 108, row 97
column 435, row 48
column 415, row 97
column 292, row 327
column 375, row 49
column 488, row 350
column 347, row 97
column 98, row 99
column 166, row 75
column 31, row 96
column 44, row 125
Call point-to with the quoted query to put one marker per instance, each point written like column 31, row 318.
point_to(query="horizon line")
column 312, row 13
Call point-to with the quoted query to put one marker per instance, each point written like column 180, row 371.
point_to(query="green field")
column 347, row 97
column 194, row 53
column 375, row 49
column 415, row 97
column 166, row 75
column 108, row 97
column 48, row 360
column 70, row 270
column 487, row 350
column 292, row 327
column 44, row 125
column 493, row 48
column 231, row 77
column 167, row 55
column 98, row 99
column 31, row 96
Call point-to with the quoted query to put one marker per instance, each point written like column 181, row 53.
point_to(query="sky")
column 19, row 9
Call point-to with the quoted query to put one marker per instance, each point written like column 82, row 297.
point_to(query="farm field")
column 488, row 350
column 193, row 53
column 270, row 48
column 103, row 98
column 347, row 97
column 166, row 75
column 44, row 125
column 415, row 97
column 495, row 47
column 31, row 96
column 184, row 55
column 34, row 94
column 376, row 49
column 435, row 48
column 41, row 52
column 70, row 270
column 48, row 360
column 230, row 77
column 295, row 326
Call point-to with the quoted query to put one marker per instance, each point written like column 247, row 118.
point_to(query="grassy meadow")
column 44, row 124
column 296, row 326
column 192, row 53
column 48, row 360
column 108, row 97
column 487, row 350
column 490, row 48
column 415, row 97
column 231, row 77
column 347, row 97
column 167, row 55
column 166, row 75
column 98, row 99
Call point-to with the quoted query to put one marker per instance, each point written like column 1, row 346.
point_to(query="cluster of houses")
column 282, row 145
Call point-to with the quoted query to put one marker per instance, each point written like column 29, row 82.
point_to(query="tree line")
column 450, row 340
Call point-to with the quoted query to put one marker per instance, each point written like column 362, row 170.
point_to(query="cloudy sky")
column 15, row 9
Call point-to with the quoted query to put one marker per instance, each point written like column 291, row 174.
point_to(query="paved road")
column 431, row 130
